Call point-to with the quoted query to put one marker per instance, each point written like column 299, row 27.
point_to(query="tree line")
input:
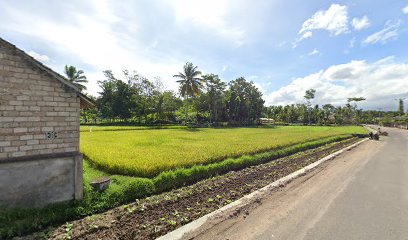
column 306, row 113
column 204, row 99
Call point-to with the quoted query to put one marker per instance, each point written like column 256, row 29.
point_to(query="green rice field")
column 147, row 152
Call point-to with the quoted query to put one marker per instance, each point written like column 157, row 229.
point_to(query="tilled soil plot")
column 155, row 216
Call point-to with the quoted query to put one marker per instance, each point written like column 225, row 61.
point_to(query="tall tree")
column 355, row 111
column 107, row 95
column 328, row 110
column 170, row 104
column 75, row 76
column 309, row 95
column 215, row 96
column 401, row 106
column 115, row 98
column 190, row 82
column 244, row 102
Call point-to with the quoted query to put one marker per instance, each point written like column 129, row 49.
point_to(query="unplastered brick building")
column 40, row 161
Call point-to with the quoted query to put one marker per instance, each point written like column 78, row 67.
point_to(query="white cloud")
column 334, row 20
column 210, row 14
column 405, row 10
column 102, row 38
column 314, row 52
column 39, row 57
column 259, row 86
column 379, row 82
column 360, row 24
column 388, row 33
column 98, row 45
column 307, row 35
column 304, row 36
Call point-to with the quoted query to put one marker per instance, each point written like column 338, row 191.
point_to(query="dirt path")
column 362, row 194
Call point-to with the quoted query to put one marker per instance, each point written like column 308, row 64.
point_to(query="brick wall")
column 32, row 105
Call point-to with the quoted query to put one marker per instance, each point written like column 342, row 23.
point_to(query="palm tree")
column 190, row 82
column 75, row 76
column 309, row 95
column 354, row 110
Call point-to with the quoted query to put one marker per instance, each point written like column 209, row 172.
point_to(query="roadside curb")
column 250, row 198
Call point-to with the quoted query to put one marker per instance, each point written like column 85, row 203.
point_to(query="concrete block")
column 5, row 143
column 23, row 97
column 26, row 148
column 35, row 108
column 18, row 154
column 47, row 129
column 32, row 142
column 26, row 137
column 22, row 108
column 16, row 103
column 20, row 130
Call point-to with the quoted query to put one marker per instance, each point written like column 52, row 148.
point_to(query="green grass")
column 147, row 153
column 125, row 128
column 173, row 179
column 124, row 189
column 238, row 148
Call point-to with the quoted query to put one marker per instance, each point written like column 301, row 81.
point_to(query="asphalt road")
column 362, row 194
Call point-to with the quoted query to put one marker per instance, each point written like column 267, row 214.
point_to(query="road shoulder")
column 286, row 206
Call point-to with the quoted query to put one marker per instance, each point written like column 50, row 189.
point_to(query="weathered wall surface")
column 39, row 134
column 37, row 182
column 32, row 105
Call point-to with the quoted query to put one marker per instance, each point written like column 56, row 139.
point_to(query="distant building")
column 40, row 161
column 266, row 121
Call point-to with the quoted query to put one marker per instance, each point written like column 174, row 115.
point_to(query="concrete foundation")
column 38, row 180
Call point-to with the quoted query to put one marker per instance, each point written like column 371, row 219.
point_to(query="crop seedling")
column 93, row 227
column 129, row 209
column 68, row 230
column 172, row 222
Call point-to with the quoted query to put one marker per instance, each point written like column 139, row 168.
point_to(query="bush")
column 137, row 188
column 184, row 176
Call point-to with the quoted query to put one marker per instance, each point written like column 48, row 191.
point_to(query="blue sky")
column 342, row 49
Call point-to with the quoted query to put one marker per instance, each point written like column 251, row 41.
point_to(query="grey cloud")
column 342, row 73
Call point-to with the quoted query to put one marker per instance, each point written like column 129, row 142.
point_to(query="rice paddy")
column 148, row 152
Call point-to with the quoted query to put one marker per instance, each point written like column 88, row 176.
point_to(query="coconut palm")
column 190, row 82
column 75, row 76
column 309, row 95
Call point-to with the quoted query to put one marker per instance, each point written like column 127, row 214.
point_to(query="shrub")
column 180, row 177
column 137, row 188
